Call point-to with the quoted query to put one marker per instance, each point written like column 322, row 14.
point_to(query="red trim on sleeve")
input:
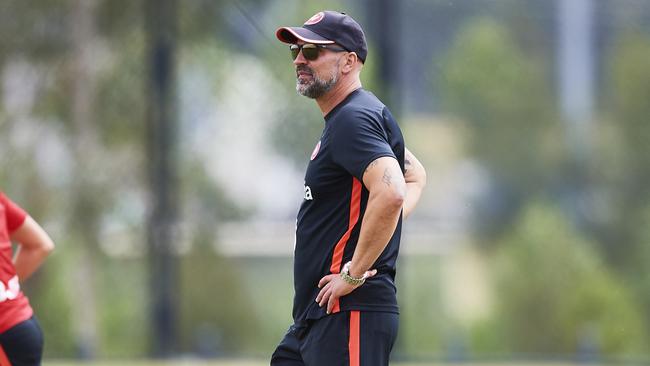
column 354, row 343
column 355, row 209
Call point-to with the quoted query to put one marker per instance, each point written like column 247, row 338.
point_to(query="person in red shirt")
column 21, row 338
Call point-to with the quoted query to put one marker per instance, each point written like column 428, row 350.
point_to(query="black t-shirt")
column 357, row 131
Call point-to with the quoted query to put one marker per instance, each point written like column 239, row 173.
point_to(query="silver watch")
column 345, row 275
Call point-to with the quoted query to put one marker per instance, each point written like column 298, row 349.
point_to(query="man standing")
column 359, row 183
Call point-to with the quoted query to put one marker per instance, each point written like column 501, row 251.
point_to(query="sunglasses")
column 311, row 51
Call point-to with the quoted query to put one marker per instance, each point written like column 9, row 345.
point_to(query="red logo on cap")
column 315, row 19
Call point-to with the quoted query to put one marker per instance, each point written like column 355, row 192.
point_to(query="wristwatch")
column 345, row 275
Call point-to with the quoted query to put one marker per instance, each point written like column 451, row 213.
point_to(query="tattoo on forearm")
column 370, row 166
column 387, row 177
column 407, row 164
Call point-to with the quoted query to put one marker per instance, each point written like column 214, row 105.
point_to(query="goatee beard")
column 317, row 87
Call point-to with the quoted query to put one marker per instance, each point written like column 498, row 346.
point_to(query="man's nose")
column 300, row 60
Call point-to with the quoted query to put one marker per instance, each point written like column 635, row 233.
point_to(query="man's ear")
column 349, row 61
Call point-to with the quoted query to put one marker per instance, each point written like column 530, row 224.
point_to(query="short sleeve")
column 358, row 139
column 14, row 215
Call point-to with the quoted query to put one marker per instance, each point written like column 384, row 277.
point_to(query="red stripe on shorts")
column 353, row 345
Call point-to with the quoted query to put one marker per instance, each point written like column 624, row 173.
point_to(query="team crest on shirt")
column 315, row 18
column 315, row 152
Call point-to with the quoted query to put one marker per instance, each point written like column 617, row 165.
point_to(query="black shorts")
column 23, row 343
column 351, row 338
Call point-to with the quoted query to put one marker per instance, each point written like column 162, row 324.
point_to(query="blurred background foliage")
column 531, row 241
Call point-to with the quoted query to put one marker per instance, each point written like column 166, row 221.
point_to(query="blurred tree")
column 87, row 200
column 50, row 296
column 216, row 312
column 423, row 320
column 625, row 167
column 502, row 97
column 555, row 296
column 630, row 109
column 640, row 278
column 34, row 30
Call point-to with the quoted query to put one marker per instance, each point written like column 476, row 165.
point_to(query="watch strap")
column 354, row 281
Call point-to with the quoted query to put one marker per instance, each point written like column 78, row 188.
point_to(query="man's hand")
column 332, row 287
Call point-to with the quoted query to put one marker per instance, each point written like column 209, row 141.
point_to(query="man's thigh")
column 354, row 338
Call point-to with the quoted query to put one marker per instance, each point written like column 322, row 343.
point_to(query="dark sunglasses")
column 311, row 51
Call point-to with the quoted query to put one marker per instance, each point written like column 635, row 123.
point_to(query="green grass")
column 265, row 363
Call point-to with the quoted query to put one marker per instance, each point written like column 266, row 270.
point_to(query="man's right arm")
column 386, row 186
column 416, row 178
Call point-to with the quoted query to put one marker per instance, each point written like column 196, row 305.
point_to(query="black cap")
column 327, row 27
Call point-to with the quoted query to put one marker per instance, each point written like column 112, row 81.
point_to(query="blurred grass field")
column 265, row 363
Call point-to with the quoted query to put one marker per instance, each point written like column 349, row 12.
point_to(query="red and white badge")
column 315, row 18
column 315, row 152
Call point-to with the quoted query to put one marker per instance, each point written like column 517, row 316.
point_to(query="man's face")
column 317, row 77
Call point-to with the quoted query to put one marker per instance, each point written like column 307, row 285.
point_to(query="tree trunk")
column 86, row 209
column 161, row 142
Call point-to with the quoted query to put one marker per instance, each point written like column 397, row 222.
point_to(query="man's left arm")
column 387, row 190
column 416, row 178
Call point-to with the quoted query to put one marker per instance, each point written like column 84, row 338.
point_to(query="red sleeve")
column 14, row 215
